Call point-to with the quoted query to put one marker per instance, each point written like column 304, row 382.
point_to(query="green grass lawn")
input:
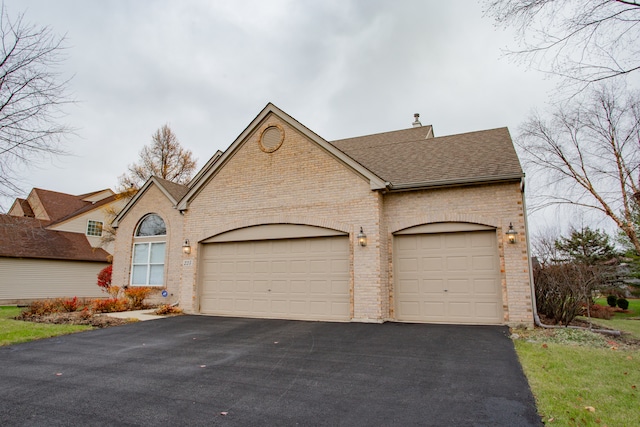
column 17, row 331
column 627, row 322
column 580, row 378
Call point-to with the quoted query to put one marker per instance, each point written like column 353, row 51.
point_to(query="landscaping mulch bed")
column 77, row 318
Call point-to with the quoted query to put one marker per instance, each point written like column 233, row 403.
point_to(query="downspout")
column 536, row 317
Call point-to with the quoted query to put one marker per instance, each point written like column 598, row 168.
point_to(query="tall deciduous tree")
column 588, row 155
column 31, row 96
column 584, row 41
column 164, row 158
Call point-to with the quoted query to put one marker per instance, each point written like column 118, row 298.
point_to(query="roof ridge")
column 384, row 133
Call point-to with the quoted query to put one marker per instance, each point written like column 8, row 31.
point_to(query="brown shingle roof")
column 177, row 191
column 385, row 138
column 26, row 207
column 88, row 206
column 22, row 237
column 59, row 205
column 465, row 158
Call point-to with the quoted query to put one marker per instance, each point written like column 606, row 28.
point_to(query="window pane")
column 152, row 225
column 140, row 253
column 139, row 275
column 94, row 228
column 157, row 275
column 157, row 253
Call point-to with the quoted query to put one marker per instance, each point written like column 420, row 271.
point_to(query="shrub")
column 600, row 311
column 612, row 300
column 167, row 309
column 104, row 278
column 563, row 289
column 114, row 291
column 109, row 305
column 38, row 308
column 623, row 303
column 136, row 296
column 68, row 305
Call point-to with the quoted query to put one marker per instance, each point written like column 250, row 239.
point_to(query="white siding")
column 28, row 279
column 79, row 223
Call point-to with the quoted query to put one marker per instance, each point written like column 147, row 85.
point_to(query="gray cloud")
column 343, row 68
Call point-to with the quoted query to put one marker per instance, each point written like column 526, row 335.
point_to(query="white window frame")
column 89, row 223
column 148, row 240
column 148, row 263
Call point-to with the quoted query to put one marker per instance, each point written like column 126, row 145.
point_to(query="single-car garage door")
column 451, row 277
column 295, row 278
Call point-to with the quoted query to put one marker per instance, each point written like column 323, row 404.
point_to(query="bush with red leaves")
column 104, row 278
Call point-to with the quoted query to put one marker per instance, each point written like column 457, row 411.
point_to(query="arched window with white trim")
column 149, row 246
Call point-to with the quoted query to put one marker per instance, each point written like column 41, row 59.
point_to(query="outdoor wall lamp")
column 362, row 238
column 186, row 248
column 511, row 233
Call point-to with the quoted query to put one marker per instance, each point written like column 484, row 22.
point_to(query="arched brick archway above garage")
column 442, row 217
column 278, row 219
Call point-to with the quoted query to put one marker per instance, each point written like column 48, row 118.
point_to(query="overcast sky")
column 343, row 68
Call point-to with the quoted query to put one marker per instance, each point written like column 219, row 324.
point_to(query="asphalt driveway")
column 197, row 370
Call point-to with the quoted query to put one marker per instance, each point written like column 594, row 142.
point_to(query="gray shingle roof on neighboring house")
column 472, row 157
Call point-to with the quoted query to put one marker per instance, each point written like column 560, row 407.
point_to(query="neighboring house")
column 50, row 245
column 398, row 226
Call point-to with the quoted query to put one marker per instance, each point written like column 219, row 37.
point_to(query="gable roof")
column 22, row 237
column 21, row 207
column 174, row 192
column 57, row 205
column 409, row 163
column 374, row 181
column 89, row 206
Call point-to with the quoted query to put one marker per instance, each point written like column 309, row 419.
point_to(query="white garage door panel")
column 448, row 278
column 290, row 279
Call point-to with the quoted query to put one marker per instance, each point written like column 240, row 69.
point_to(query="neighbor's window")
column 148, row 252
column 94, row 228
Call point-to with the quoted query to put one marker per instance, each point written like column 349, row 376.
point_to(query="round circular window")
column 271, row 138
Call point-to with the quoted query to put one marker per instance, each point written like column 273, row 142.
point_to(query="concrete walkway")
column 136, row 314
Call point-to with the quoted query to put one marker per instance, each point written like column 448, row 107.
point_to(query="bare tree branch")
column 583, row 42
column 32, row 95
column 587, row 154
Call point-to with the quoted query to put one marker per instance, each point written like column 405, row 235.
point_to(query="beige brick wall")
column 494, row 205
column 300, row 183
column 153, row 201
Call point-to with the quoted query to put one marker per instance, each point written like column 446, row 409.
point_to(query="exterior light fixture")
column 186, row 248
column 362, row 238
column 511, row 233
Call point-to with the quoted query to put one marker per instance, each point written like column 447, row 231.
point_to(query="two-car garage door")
column 451, row 277
column 304, row 278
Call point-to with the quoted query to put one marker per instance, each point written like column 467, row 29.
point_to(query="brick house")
column 50, row 245
column 399, row 226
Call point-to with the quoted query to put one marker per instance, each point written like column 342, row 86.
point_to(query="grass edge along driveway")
column 580, row 378
column 17, row 331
